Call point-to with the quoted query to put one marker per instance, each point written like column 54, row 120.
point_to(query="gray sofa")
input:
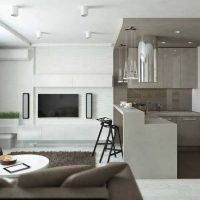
column 113, row 182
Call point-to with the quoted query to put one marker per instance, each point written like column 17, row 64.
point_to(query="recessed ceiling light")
column 189, row 42
column 177, row 32
column 163, row 42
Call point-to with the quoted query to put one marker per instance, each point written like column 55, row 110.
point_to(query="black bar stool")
column 105, row 123
column 113, row 133
column 1, row 152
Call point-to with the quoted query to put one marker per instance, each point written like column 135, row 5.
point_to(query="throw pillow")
column 94, row 177
column 50, row 177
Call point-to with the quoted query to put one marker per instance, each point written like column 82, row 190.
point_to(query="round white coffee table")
column 36, row 162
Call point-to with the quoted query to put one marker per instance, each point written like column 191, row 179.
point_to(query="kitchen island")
column 149, row 144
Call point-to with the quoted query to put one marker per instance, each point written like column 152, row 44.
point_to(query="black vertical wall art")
column 88, row 105
column 25, row 105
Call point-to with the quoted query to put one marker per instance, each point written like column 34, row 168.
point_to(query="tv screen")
column 57, row 105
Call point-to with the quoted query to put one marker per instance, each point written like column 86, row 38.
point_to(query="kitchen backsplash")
column 168, row 99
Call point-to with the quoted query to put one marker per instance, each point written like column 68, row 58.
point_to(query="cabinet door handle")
column 169, row 119
column 189, row 119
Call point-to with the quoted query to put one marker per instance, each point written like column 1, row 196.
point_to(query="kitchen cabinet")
column 179, row 67
column 188, row 126
column 169, row 61
column 170, row 118
column 188, row 129
column 189, row 77
column 176, row 68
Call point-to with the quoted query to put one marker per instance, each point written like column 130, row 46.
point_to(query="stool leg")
column 120, row 142
column 105, row 146
column 95, row 146
column 112, row 142
column 112, row 147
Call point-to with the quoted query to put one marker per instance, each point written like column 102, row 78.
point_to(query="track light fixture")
column 88, row 34
column 38, row 34
column 14, row 11
column 84, row 11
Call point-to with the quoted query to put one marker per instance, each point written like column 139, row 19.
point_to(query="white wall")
column 17, row 77
column 196, row 92
column 74, row 60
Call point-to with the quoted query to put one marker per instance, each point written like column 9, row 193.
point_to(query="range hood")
column 147, row 59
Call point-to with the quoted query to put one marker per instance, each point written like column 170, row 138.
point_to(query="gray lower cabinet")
column 188, row 129
column 170, row 118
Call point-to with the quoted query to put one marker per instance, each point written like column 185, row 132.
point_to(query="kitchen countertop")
column 173, row 113
column 150, row 118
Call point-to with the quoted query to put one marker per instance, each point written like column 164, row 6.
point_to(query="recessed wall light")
column 177, row 32
column 189, row 42
column 163, row 42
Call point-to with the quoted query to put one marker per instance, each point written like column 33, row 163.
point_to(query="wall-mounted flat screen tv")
column 57, row 105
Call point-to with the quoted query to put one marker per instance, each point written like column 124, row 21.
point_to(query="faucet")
column 158, row 106
column 147, row 106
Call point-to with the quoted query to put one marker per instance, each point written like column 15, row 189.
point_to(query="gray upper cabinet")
column 189, row 78
column 179, row 67
column 169, row 61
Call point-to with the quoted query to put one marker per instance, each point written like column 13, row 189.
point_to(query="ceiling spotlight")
column 177, row 32
column 87, row 34
column 84, row 11
column 14, row 11
column 189, row 42
column 39, row 34
column 163, row 42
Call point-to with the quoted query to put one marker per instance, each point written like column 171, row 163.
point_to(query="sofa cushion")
column 124, row 181
column 54, row 193
column 94, row 177
column 4, row 182
column 49, row 177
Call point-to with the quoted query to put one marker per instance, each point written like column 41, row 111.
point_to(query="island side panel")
column 150, row 149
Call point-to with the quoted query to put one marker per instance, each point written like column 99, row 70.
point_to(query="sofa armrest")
column 124, row 186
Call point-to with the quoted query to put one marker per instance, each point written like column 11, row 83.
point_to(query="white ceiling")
column 8, row 39
column 62, row 22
